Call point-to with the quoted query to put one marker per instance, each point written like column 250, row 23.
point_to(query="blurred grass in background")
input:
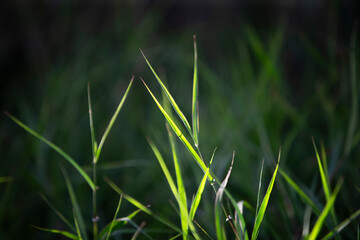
column 269, row 76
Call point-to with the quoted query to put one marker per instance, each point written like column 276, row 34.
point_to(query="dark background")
column 49, row 50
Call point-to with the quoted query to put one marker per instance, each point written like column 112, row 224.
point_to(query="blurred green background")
column 271, row 75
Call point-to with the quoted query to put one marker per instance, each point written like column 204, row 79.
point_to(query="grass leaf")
column 259, row 217
column 112, row 121
column 180, row 135
column 220, row 233
column 195, row 102
column 168, row 95
column 55, row 147
column 64, row 233
column 113, row 221
column 321, row 219
column 92, row 131
column 259, row 188
column 77, row 228
column 75, row 205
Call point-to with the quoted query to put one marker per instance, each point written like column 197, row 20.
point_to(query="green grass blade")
column 342, row 225
column 220, row 232
column 180, row 183
column 57, row 212
column 75, row 205
column 324, row 181
column 112, row 121
column 304, row 197
column 77, row 228
column 113, row 221
column 177, row 131
column 92, row 131
column 117, row 224
column 321, row 219
column 260, row 216
column 168, row 95
column 64, row 233
column 55, row 147
column 325, row 164
column 195, row 102
column 141, row 206
column 197, row 198
column 259, row 189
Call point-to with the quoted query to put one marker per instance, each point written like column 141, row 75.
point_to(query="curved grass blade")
column 342, row 225
column 299, row 191
column 112, row 121
column 195, row 102
column 180, row 183
column 220, row 232
column 115, row 215
column 177, row 131
column 200, row 190
column 57, row 212
column 168, row 95
column 260, row 216
column 55, row 147
column 321, row 219
column 117, row 224
column 64, row 233
column 259, row 188
column 75, row 205
column 141, row 206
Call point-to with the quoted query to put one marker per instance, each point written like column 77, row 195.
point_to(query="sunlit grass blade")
column 55, row 147
column 176, row 236
column 304, row 197
column 180, row 183
column 197, row 198
column 259, row 188
column 220, row 232
column 75, row 205
column 342, row 225
column 324, row 181
column 92, row 130
column 115, row 216
column 168, row 95
column 141, row 206
column 77, row 228
column 117, row 224
column 63, row 233
column 239, row 219
column 321, row 219
column 260, row 216
column 195, row 101
column 177, row 131
column 57, row 212
column 112, row 121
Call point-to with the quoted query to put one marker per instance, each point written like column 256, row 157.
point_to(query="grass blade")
column 55, row 147
column 200, row 190
column 64, row 233
column 92, row 131
column 168, row 95
column 141, row 206
column 259, row 217
column 77, row 228
column 112, row 121
column 177, row 131
column 342, row 225
column 180, row 183
column 299, row 191
column 117, row 224
column 195, row 102
column 6, row 179
column 57, row 212
column 220, row 233
column 75, row 205
column 259, row 188
column 321, row 219
column 113, row 221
